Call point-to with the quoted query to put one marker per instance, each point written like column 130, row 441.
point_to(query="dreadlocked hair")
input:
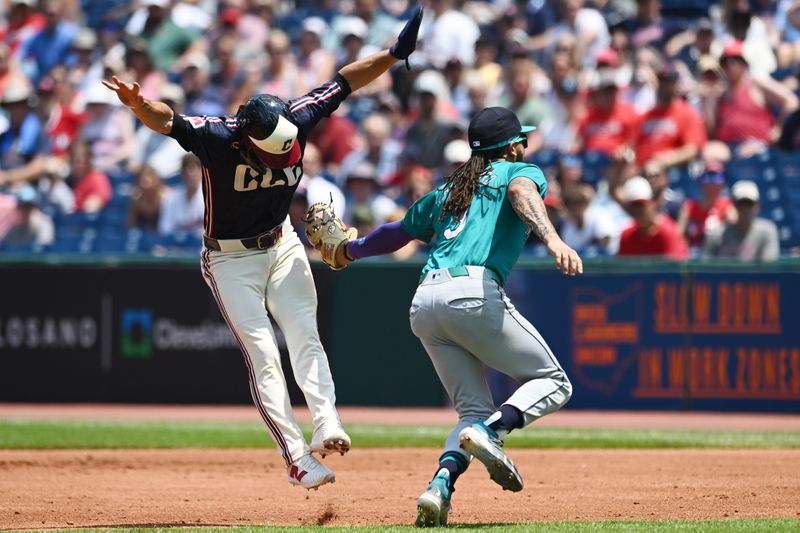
column 462, row 185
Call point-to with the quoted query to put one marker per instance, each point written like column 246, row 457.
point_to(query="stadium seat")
column 121, row 177
column 757, row 168
column 72, row 243
column 788, row 166
column 114, row 216
column 595, row 167
column 546, row 158
column 682, row 179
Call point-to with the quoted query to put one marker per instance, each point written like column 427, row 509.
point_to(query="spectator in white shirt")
column 584, row 226
column 448, row 34
column 316, row 188
column 183, row 210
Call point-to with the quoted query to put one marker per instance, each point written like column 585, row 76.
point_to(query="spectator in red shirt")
column 651, row 234
column 610, row 124
column 61, row 119
column 672, row 132
column 92, row 187
column 699, row 217
column 743, row 112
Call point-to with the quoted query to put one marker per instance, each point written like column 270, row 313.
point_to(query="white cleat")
column 309, row 473
column 330, row 437
column 482, row 443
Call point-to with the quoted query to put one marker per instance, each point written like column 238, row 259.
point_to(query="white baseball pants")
column 251, row 285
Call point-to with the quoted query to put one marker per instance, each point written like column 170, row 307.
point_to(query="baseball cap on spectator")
column 704, row 25
column 85, row 39
column 387, row 101
column 733, row 50
column 668, row 72
column 430, row 81
column 570, row 160
column 231, row 16
column 552, row 200
column 602, row 80
column 315, row 25
column 155, row 3
column 98, row 94
column 745, row 190
column 713, row 173
column 171, row 92
column 354, row 26
column 196, row 60
column 457, row 152
column 607, row 57
column 363, row 171
column 518, row 42
column 495, row 127
column 637, row 189
column 569, row 85
column 708, row 63
column 16, row 90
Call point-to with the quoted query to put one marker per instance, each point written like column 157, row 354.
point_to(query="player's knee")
column 567, row 388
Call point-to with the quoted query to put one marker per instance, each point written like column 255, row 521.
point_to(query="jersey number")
column 450, row 233
column 247, row 179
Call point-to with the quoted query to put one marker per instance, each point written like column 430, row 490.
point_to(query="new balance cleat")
column 330, row 437
column 309, row 473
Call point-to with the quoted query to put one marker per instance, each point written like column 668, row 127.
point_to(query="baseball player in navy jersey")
column 479, row 221
column 252, row 259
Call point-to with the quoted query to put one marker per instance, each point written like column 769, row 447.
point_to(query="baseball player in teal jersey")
column 479, row 222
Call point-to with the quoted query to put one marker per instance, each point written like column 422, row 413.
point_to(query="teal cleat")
column 434, row 504
column 482, row 442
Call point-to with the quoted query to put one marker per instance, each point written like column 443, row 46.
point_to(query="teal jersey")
column 491, row 234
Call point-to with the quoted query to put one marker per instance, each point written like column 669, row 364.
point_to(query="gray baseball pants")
column 467, row 321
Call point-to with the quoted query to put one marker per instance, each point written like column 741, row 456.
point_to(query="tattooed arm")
column 526, row 201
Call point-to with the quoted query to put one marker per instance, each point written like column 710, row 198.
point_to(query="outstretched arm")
column 381, row 241
column 362, row 72
column 529, row 206
column 155, row 115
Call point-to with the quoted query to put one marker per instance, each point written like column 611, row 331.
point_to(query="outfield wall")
column 630, row 335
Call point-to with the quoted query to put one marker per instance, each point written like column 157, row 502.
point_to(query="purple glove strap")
column 384, row 240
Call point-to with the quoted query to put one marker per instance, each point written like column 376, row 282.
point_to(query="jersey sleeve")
column 418, row 221
column 532, row 172
column 321, row 102
column 194, row 134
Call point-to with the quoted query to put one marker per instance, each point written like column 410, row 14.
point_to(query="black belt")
column 262, row 241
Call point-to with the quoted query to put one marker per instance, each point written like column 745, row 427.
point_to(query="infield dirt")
column 58, row 489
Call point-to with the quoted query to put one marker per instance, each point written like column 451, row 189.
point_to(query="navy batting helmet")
column 268, row 132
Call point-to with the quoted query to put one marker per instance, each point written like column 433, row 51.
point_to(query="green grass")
column 38, row 434
column 771, row 525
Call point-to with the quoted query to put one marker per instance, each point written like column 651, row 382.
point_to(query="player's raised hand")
column 567, row 259
column 407, row 40
column 128, row 93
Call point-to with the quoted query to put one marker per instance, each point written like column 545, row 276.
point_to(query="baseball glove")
column 327, row 232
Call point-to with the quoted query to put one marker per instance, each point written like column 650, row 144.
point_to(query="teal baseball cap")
column 494, row 127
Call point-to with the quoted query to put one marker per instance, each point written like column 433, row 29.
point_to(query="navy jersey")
column 240, row 202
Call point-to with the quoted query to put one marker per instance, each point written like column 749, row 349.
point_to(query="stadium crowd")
column 665, row 127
